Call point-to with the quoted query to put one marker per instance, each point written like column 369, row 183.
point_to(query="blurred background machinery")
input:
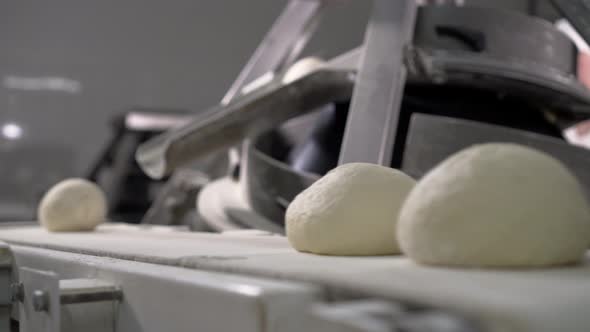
column 405, row 90
column 68, row 69
column 426, row 82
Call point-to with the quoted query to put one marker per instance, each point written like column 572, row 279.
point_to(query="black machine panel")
column 433, row 138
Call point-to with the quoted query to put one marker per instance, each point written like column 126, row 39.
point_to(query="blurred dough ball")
column 352, row 210
column 496, row 205
column 302, row 68
column 72, row 205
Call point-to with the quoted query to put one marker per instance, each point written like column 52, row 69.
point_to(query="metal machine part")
column 454, row 46
column 246, row 116
column 162, row 298
column 407, row 49
column 136, row 296
column 526, row 57
column 43, row 300
column 175, row 202
column 374, row 114
column 445, row 45
column 254, row 281
column 486, row 31
column 432, row 138
column 281, row 46
column 129, row 191
column 437, row 119
column 272, row 182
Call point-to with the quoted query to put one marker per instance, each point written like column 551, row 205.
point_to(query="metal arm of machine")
column 282, row 44
column 246, row 116
column 374, row 114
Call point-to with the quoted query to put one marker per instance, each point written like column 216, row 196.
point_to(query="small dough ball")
column 496, row 205
column 352, row 210
column 302, row 68
column 72, row 205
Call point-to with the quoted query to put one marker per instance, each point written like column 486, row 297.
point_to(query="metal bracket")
column 5, row 290
column 38, row 288
column 375, row 106
column 42, row 298
column 282, row 44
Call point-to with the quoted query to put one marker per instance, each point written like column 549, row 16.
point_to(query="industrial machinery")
column 426, row 82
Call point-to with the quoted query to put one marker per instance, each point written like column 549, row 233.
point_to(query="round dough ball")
column 352, row 210
column 302, row 68
column 496, row 205
column 72, row 205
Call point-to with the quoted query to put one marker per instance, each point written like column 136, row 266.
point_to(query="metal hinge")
column 49, row 304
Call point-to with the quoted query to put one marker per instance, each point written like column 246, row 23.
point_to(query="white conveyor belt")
column 555, row 299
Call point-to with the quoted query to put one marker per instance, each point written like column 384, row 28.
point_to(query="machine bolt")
column 17, row 292
column 40, row 300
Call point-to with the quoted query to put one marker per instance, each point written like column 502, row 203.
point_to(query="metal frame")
column 39, row 308
column 375, row 106
column 251, row 114
column 282, row 44
column 383, row 65
column 165, row 298
column 280, row 47
column 168, row 298
column 376, row 99
column 6, row 298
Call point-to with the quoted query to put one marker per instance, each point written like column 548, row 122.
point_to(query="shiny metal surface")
column 154, row 267
column 166, row 298
column 375, row 106
column 244, row 117
column 281, row 45
column 40, row 309
column 431, row 139
column 84, row 290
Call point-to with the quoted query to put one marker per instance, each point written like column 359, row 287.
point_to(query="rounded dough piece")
column 352, row 210
column 496, row 205
column 72, row 205
column 302, row 68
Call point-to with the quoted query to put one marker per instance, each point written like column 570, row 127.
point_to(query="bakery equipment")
column 129, row 190
column 411, row 104
column 133, row 196
column 255, row 112
column 159, row 279
column 507, row 76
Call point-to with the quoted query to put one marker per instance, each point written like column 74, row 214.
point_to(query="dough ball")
column 72, row 205
column 302, row 68
column 496, row 205
column 352, row 210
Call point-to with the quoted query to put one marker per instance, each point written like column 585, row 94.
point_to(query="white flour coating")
column 72, row 205
column 496, row 205
column 352, row 210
